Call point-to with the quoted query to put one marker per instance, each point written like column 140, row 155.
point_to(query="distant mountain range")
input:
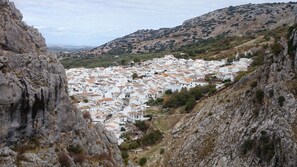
column 68, row 48
column 231, row 21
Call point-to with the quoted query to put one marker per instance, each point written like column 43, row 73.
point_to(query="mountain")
column 244, row 20
column 251, row 123
column 67, row 48
column 39, row 126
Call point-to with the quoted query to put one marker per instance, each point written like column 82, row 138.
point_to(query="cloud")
column 93, row 22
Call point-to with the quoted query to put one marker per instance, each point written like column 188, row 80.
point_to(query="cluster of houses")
column 115, row 95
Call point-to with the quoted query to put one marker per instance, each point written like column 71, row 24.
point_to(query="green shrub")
column 281, row 100
column 75, row 149
column 134, row 76
column 151, row 138
column 168, row 92
column 259, row 96
column 133, row 145
column 276, row 48
column 86, row 100
column 190, row 104
column 142, row 161
column 258, row 58
column 265, row 149
column 141, row 125
column 162, row 151
column 247, row 146
column 125, row 154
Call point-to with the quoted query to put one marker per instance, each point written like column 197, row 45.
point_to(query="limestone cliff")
column 39, row 125
column 253, row 123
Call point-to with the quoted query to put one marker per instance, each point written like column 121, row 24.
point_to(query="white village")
column 116, row 95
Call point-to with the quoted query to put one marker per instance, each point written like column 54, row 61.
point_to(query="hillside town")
column 116, row 95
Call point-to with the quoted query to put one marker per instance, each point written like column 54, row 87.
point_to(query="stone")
column 34, row 105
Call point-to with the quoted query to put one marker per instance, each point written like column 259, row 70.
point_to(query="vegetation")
column 265, row 147
column 276, row 48
column 151, row 138
column 187, row 97
column 162, row 150
column 134, row 76
column 156, row 102
column 203, row 48
column 91, row 61
column 190, row 104
column 291, row 48
column 86, row 100
column 125, row 154
column 141, row 125
column 75, row 149
column 168, row 92
column 259, row 96
column 281, row 100
column 247, row 145
column 142, row 161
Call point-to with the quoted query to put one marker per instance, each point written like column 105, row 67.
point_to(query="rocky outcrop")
column 253, row 123
column 241, row 20
column 39, row 125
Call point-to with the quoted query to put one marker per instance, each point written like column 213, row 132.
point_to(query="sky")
column 95, row 22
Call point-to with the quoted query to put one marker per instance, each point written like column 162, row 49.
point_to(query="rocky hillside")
column 253, row 123
column 39, row 125
column 239, row 20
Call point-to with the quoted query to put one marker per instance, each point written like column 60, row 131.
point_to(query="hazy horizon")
column 95, row 22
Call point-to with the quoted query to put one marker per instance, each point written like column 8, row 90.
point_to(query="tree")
column 168, row 92
column 190, row 104
column 142, row 161
column 134, row 76
column 259, row 96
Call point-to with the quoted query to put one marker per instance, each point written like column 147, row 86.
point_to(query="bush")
column 276, row 48
column 142, row 161
column 151, row 138
column 134, row 145
column 86, row 100
column 134, row 76
column 75, row 149
column 247, row 146
column 281, row 100
column 125, row 154
column 162, row 151
column 141, row 125
column 168, row 92
column 123, row 129
column 258, row 58
column 259, row 96
column 190, row 104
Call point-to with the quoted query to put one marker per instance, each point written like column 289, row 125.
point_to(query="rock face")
column 35, row 110
column 231, row 21
column 253, row 123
